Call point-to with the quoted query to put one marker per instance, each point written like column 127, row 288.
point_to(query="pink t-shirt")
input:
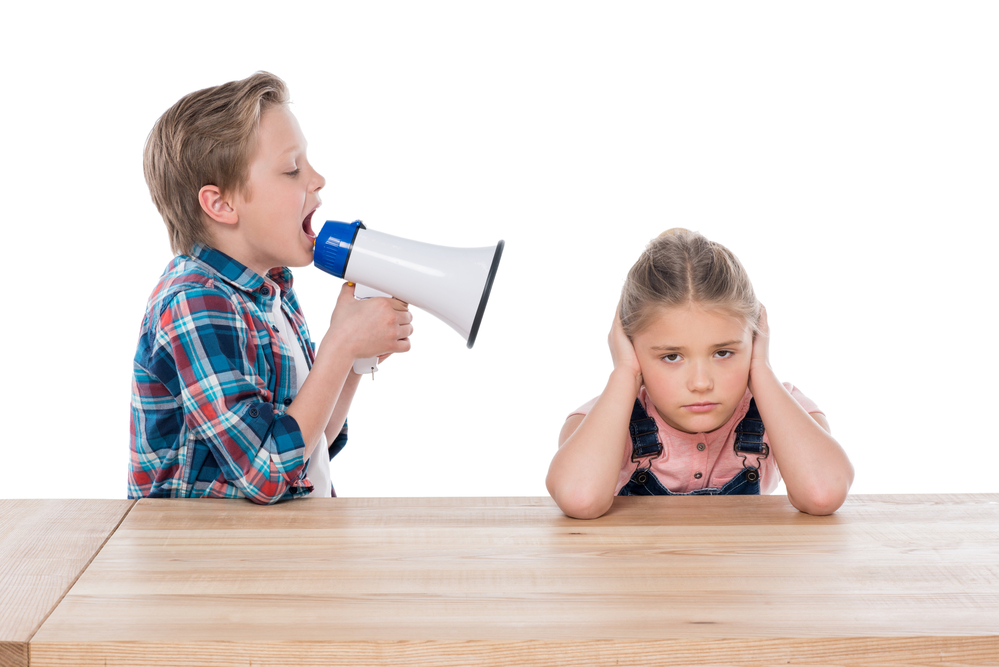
column 716, row 462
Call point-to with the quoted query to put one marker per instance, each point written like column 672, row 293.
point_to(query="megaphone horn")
column 452, row 284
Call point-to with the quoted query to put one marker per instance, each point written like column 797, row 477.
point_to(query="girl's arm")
column 583, row 474
column 814, row 466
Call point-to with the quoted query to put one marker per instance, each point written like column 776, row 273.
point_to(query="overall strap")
column 644, row 434
column 749, row 435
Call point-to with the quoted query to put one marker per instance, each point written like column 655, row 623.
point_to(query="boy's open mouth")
column 307, row 226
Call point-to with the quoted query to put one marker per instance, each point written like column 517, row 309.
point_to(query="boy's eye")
column 293, row 173
column 672, row 357
column 724, row 353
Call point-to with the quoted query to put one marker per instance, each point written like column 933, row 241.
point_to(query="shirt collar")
column 720, row 434
column 237, row 274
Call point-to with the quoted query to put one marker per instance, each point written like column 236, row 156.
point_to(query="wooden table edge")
column 859, row 651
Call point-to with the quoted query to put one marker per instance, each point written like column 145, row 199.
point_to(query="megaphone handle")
column 362, row 366
column 370, row 365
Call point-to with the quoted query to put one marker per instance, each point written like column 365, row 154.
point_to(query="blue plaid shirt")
column 210, row 386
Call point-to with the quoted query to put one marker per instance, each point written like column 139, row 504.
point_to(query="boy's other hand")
column 370, row 327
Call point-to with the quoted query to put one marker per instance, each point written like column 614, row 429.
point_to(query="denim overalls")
column 645, row 444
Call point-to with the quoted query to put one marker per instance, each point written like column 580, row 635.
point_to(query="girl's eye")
column 672, row 357
column 723, row 353
column 294, row 173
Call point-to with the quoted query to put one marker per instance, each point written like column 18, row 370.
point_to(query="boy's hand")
column 622, row 351
column 370, row 327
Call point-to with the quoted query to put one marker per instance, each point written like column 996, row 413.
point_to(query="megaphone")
column 452, row 284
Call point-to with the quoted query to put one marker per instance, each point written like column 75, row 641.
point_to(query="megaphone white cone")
column 452, row 284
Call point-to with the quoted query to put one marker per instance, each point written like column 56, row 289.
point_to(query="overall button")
column 698, row 475
column 642, row 477
column 700, row 446
column 752, row 475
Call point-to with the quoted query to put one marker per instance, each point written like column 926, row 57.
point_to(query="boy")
column 230, row 398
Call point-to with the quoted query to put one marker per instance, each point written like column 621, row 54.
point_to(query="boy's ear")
column 216, row 206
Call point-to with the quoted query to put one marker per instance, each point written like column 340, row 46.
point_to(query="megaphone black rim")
column 485, row 294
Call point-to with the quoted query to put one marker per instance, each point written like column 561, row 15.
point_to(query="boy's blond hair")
column 680, row 267
column 206, row 138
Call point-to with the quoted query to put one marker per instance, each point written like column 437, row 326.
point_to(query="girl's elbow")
column 823, row 495
column 817, row 508
column 580, row 503
column 821, row 501
column 585, row 508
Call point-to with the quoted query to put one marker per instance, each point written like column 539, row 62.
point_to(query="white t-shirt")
column 318, row 470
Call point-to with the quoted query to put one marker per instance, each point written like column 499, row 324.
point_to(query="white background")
column 847, row 152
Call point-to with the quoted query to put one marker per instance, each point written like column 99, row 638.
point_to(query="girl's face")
column 695, row 365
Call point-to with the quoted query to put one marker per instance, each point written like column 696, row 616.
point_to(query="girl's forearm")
column 815, row 468
column 583, row 474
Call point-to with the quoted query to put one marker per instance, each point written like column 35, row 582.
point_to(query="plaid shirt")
column 211, row 384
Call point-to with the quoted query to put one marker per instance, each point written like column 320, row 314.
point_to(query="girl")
column 691, row 341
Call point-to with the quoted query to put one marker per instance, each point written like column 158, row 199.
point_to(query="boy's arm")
column 815, row 468
column 336, row 422
column 339, row 418
column 583, row 474
column 358, row 329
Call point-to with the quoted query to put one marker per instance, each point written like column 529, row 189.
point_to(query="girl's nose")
column 318, row 182
column 700, row 378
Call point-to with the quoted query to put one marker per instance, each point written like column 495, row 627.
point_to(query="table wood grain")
column 512, row 581
column 44, row 546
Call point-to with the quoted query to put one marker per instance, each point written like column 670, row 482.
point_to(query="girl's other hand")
column 622, row 351
column 760, row 361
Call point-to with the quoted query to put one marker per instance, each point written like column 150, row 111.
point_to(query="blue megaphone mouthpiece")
column 333, row 246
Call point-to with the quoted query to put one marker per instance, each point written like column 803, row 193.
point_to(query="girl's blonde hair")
column 681, row 267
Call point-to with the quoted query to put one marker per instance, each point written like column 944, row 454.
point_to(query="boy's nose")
column 319, row 182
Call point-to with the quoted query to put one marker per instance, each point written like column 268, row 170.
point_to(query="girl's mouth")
column 701, row 407
column 307, row 226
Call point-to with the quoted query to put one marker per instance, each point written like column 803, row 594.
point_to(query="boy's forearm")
column 815, row 468
column 315, row 402
column 342, row 407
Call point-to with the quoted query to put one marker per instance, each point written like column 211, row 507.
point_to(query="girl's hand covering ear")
column 760, row 360
column 622, row 351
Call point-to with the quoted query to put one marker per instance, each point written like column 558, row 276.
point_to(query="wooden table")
column 512, row 581
column 44, row 546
